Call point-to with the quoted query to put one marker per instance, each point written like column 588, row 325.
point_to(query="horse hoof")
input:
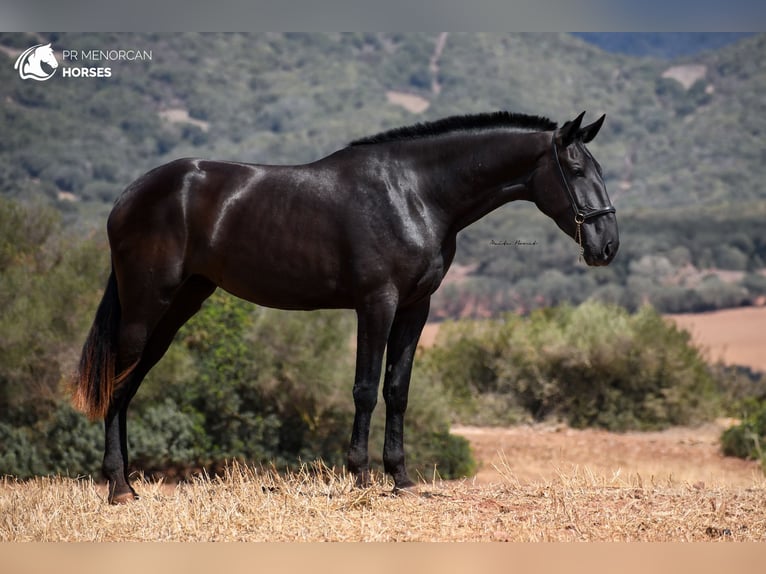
column 123, row 498
column 363, row 481
column 408, row 488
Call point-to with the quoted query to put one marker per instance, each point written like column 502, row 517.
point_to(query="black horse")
column 371, row 227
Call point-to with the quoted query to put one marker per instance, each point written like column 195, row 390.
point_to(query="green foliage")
column 19, row 455
column 744, row 394
column 72, row 445
column 162, row 436
column 64, row 443
column 261, row 384
column 46, row 283
column 748, row 438
column 447, row 455
column 47, row 286
column 592, row 365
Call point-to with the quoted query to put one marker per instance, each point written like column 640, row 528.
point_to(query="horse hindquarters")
column 148, row 297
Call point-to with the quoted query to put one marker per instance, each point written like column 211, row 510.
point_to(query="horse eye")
column 578, row 172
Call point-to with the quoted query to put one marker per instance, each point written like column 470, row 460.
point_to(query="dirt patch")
column 181, row 116
column 410, row 102
column 543, row 453
column 433, row 64
column 686, row 75
column 734, row 336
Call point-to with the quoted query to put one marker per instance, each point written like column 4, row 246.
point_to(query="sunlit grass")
column 314, row 503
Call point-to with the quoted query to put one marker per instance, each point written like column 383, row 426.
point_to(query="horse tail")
column 95, row 380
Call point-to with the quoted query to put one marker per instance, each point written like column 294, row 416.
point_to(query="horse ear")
column 587, row 133
column 569, row 131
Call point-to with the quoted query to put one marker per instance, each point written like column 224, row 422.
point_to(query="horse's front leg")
column 402, row 343
column 374, row 324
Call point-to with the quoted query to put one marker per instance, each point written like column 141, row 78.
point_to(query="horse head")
column 571, row 191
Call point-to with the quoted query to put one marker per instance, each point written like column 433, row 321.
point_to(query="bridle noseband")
column 581, row 215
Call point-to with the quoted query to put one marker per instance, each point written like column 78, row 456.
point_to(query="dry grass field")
column 543, row 484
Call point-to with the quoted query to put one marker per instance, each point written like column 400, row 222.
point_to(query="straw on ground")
column 316, row 504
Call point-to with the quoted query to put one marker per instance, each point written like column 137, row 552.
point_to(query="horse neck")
column 469, row 175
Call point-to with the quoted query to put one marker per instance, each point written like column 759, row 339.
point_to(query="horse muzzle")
column 604, row 256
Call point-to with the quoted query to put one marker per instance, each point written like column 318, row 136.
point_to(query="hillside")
column 661, row 44
column 682, row 145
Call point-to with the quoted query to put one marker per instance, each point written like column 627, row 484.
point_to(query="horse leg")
column 374, row 324
column 184, row 304
column 402, row 343
column 134, row 335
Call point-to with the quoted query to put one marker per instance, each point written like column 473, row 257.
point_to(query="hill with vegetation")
column 661, row 44
column 681, row 149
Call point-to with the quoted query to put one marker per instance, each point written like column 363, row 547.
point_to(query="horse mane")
column 485, row 121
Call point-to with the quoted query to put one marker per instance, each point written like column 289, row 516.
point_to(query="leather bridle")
column 581, row 215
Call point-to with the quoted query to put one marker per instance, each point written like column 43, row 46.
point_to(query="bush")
column 66, row 443
column 443, row 453
column 164, row 437
column 71, row 445
column 748, row 439
column 19, row 455
column 593, row 365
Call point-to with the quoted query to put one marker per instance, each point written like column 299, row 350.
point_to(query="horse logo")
column 29, row 63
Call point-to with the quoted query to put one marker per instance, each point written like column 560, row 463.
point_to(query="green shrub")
column 739, row 388
column 463, row 365
column 71, row 445
column 443, row 453
column 19, row 454
column 592, row 365
column 162, row 436
column 748, row 439
column 66, row 443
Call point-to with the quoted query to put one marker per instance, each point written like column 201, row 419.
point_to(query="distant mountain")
column 664, row 45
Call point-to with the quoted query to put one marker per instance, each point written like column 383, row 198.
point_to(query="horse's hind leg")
column 147, row 337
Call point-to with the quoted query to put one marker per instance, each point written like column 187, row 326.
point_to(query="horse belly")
column 286, row 266
column 281, row 288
